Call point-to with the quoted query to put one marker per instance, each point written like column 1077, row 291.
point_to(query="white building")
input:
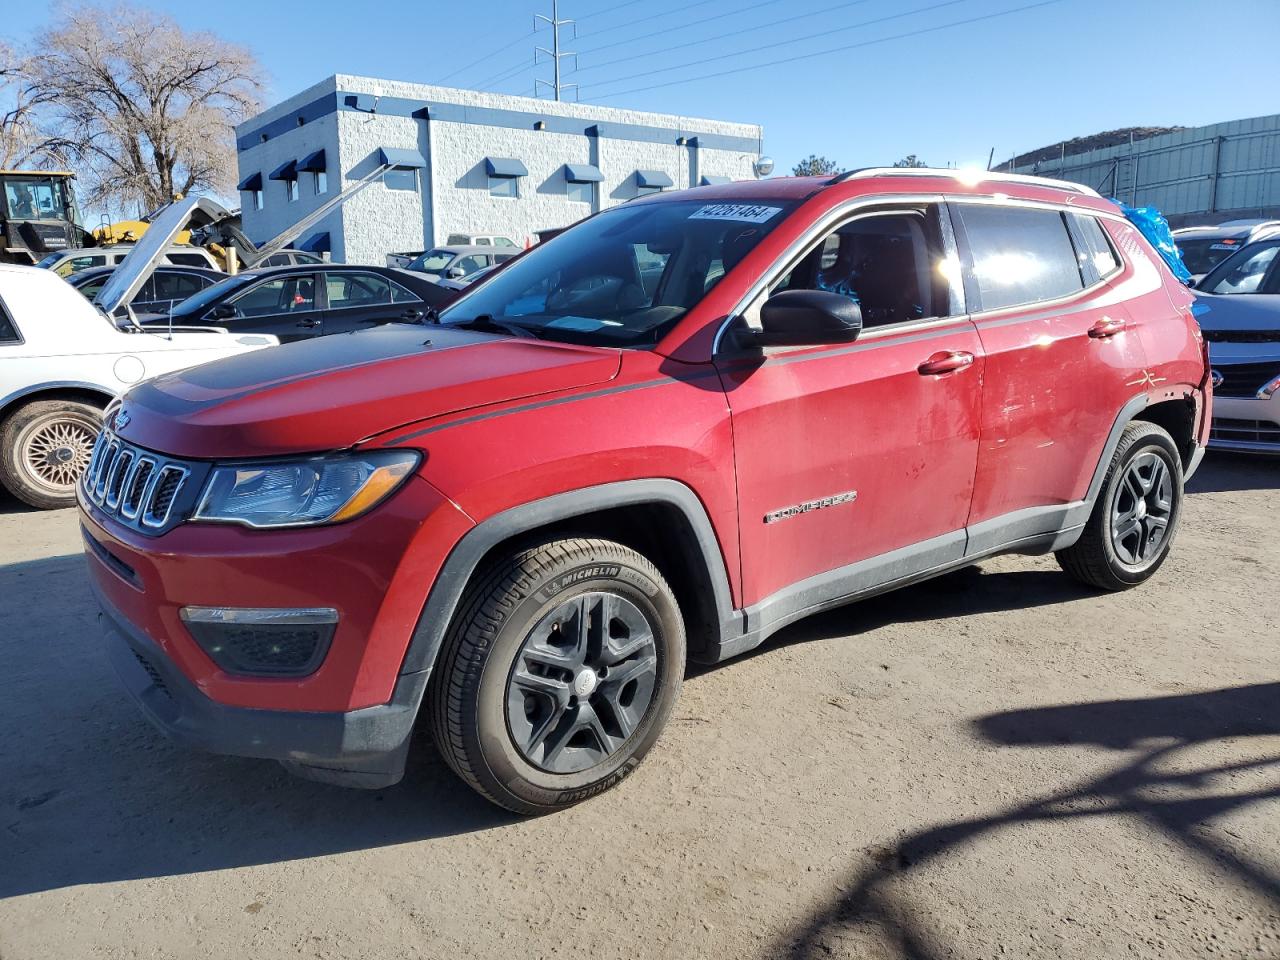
column 463, row 162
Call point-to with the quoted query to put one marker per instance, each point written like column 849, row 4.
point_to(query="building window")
column 401, row 178
column 504, row 187
column 256, row 197
column 292, row 187
column 321, row 181
column 584, row 192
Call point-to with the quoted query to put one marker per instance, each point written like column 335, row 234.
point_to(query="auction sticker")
column 741, row 212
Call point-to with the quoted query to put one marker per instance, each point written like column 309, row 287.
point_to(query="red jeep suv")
column 660, row 436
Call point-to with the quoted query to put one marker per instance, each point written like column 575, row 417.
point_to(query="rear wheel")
column 558, row 674
column 1136, row 516
column 44, row 448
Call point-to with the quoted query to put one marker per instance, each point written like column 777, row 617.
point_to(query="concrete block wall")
column 455, row 130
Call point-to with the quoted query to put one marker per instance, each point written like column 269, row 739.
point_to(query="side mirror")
column 223, row 311
column 803, row 317
column 456, row 273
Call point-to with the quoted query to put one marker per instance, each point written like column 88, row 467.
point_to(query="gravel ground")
column 995, row 763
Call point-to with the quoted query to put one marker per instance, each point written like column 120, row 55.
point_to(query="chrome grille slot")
column 169, row 480
column 139, row 485
column 140, row 489
column 120, row 471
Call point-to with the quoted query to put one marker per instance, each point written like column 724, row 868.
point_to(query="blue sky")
column 1013, row 82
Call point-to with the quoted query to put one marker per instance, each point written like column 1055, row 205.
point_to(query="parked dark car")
column 165, row 288
column 303, row 301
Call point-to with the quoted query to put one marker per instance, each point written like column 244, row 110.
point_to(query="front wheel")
column 558, row 674
column 1136, row 515
column 44, row 448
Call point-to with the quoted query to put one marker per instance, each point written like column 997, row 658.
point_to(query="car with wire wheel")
column 305, row 301
column 64, row 359
column 1238, row 308
column 654, row 439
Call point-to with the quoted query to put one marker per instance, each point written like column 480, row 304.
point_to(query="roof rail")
column 965, row 176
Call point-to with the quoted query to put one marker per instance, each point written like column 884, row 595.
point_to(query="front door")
column 859, row 454
column 284, row 306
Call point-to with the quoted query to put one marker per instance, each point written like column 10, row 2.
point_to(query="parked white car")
column 63, row 359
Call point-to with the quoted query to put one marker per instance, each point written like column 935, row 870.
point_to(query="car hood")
column 333, row 392
column 1238, row 311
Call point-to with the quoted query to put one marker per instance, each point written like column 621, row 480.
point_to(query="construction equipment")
column 37, row 215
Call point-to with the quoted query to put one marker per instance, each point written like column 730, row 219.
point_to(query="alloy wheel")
column 1142, row 510
column 582, row 682
column 55, row 452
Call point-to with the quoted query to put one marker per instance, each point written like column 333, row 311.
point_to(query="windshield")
column 1253, row 271
column 35, row 200
column 197, row 303
column 1201, row 256
column 432, row 262
column 624, row 277
column 50, row 260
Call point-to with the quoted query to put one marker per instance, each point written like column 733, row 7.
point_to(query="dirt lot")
column 997, row 763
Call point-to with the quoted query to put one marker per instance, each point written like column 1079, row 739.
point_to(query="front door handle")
column 945, row 361
column 1106, row 327
column 308, row 323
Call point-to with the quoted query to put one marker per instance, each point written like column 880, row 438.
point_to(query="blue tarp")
column 1155, row 228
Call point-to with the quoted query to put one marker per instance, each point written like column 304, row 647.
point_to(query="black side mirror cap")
column 222, row 311
column 804, row 317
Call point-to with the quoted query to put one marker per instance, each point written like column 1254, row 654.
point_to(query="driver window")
column 892, row 263
column 283, row 295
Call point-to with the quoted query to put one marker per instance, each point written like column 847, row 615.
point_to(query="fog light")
column 263, row 641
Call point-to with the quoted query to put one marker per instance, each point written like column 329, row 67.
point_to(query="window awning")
column 582, row 173
column 252, row 182
column 711, row 180
column 400, row 158
column 313, row 162
column 505, row 167
column 653, row 178
column 316, row 243
column 286, row 171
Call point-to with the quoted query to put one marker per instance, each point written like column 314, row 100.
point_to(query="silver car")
column 458, row 262
column 1238, row 306
column 1203, row 248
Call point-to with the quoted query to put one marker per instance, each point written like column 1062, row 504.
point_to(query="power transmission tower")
column 555, row 53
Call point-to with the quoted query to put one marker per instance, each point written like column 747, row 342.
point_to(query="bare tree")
column 22, row 140
column 144, row 109
column 910, row 160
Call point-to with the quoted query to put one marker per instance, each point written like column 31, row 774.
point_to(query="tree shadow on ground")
column 1158, row 787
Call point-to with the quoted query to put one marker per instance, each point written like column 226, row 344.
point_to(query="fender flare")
column 446, row 592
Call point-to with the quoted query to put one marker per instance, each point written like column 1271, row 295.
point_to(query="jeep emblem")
column 122, row 420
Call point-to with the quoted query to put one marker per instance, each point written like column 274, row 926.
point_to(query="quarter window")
column 8, row 332
column 1020, row 254
column 1097, row 257
column 893, row 264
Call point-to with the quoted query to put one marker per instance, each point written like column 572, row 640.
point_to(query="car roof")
column 1210, row 232
column 460, row 248
column 90, row 272
column 910, row 180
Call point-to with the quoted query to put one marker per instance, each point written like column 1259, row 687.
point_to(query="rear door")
column 358, row 301
column 1063, row 359
column 855, row 462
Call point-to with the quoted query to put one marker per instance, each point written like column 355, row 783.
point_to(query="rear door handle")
column 945, row 361
column 1106, row 327
column 307, row 323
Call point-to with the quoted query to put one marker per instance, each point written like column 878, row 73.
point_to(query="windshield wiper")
column 485, row 321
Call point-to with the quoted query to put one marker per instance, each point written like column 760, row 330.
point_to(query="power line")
column 781, row 43
column 616, row 6
column 724, row 36
column 486, row 57
column 526, row 64
column 821, row 53
column 680, row 26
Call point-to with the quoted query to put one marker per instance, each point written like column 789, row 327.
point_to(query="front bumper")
column 1246, row 425
column 361, row 748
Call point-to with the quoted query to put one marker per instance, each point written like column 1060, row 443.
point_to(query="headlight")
column 304, row 492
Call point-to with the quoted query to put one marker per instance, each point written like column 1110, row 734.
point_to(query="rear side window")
column 188, row 259
column 1020, row 254
column 178, row 286
column 8, row 332
column 1097, row 257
